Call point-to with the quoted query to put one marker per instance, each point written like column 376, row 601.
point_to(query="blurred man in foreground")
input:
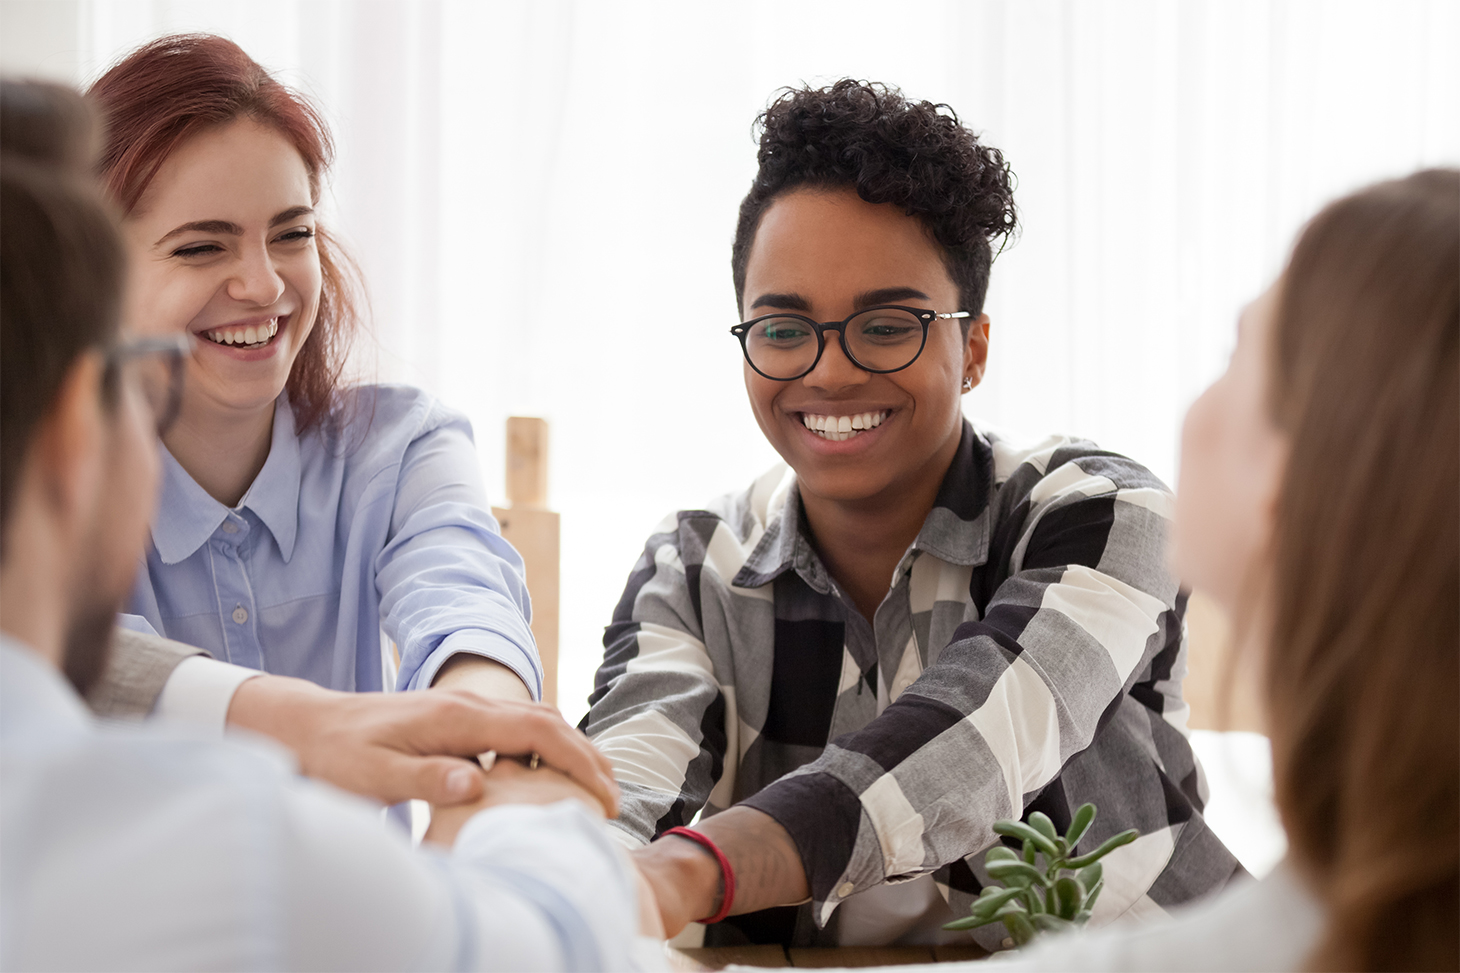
column 149, row 848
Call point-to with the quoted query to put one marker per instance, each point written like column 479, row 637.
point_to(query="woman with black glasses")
column 914, row 627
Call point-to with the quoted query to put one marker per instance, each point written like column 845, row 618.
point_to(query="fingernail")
column 458, row 782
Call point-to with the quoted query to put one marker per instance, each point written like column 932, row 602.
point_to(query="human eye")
column 296, row 235
column 784, row 331
column 889, row 328
column 193, row 250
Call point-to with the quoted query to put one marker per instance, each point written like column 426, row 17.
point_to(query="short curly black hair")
column 916, row 155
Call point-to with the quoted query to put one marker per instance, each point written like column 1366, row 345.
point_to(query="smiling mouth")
column 248, row 338
column 839, row 429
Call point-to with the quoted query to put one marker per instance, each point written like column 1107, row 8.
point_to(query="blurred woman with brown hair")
column 1320, row 504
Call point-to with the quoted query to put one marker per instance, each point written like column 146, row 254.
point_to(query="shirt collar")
column 188, row 516
column 956, row 529
column 784, row 545
column 274, row 495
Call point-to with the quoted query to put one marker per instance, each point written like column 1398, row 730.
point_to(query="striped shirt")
column 1027, row 656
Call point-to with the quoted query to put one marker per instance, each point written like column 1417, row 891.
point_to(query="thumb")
column 442, row 781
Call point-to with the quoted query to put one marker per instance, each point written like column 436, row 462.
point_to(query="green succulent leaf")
column 1082, row 917
column 1018, row 872
column 1093, row 894
column 988, row 905
column 1020, row 928
column 1124, row 838
column 1022, row 831
column 969, row 922
column 1041, row 822
column 1030, row 852
column 1069, row 897
column 1000, row 853
column 1034, row 901
column 1084, row 816
column 1090, row 875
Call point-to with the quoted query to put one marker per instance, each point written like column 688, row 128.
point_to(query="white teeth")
column 841, row 428
column 251, row 335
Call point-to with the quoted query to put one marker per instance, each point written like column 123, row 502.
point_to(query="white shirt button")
column 240, row 614
column 229, row 527
column 847, row 888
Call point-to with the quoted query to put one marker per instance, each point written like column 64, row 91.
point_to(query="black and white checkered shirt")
column 1028, row 656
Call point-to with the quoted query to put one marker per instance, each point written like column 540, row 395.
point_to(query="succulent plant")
column 1053, row 897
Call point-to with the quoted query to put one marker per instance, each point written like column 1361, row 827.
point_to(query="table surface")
column 719, row 957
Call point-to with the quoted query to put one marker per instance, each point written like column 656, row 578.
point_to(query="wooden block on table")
column 527, row 461
column 860, row 956
column 536, row 533
column 719, row 957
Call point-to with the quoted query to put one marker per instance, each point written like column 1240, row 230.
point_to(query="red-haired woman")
column 298, row 518
column 1320, row 503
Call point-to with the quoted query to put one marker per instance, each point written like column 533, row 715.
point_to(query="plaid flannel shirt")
column 1028, row 656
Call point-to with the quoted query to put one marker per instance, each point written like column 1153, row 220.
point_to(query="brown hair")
column 1363, row 659
column 61, row 262
column 171, row 89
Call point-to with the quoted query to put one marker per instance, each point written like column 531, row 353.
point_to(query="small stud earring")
column 967, row 384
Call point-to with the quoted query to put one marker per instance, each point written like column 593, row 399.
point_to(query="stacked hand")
column 397, row 746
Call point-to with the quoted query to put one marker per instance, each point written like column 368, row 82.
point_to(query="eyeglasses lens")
column 884, row 339
column 781, row 347
column 159, row 378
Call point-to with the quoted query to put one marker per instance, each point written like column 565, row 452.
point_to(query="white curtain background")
column 542, row 196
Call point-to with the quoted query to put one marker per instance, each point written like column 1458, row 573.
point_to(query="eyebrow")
column 232, row 229
column 884, row 295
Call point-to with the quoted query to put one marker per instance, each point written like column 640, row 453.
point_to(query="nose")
column 255, row 279
column 835, row 371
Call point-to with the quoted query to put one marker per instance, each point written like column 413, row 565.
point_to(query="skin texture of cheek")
column 1232, row 464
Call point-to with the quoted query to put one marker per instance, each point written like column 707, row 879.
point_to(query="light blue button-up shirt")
column 379, row 525
column 144, row 848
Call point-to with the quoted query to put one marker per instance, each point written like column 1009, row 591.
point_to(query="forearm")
column 485, row 677
column 687, row 878
column 767, row 865
column 281, row 707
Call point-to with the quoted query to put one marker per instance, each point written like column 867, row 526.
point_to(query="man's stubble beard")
column 88, row 644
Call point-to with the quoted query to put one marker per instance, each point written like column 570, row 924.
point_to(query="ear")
column 976, row 352
column 66, row 454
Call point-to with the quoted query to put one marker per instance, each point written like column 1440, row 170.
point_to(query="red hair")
column 169, row 90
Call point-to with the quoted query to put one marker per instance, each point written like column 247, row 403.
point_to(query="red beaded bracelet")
column 726, row 872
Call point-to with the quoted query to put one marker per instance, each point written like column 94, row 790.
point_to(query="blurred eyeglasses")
column 881, row 339
column 158, row 365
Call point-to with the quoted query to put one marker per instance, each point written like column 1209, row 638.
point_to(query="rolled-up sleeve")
column 657, row 712
column 448, row 582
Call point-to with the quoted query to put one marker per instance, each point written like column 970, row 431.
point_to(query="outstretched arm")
column 393, row 747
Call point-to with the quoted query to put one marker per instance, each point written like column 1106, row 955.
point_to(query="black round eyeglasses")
column 881, row 339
